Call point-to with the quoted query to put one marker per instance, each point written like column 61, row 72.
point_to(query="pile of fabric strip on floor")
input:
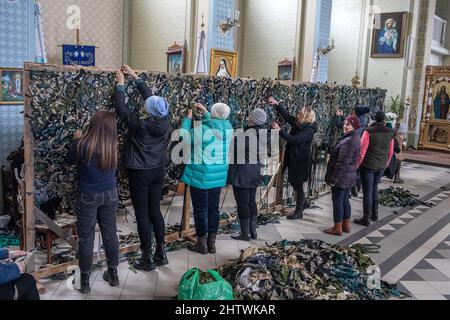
column 400, row 198
column 305, row 270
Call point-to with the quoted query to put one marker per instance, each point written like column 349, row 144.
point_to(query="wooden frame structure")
column 31, row 212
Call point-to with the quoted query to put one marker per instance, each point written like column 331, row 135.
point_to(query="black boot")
column 298, row 213
column 398, row 180
column 354, row 192
column 253, row 226
column 244, row 235
column 85, row 286
column 145, row 263
column 364, row 221
column 212, row 243
column 374, row 215
column 111, row 277
column 201, row 246
column 160, row 255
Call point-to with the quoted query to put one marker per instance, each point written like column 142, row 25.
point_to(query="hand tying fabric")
column 276, row 126
column 120, row 78
column 129, row 71
column 78, row 134
column 273, row 102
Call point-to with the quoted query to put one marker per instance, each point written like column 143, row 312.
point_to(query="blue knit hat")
column 157, row 106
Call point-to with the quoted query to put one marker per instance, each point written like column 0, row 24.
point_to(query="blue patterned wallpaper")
column 16, row 47
column 323, row 26
column 221, row 10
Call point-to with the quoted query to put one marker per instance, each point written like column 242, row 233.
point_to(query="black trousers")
column 146, row 187
column 370, row 180
column 206, row 210
column 300, row 197
column 246, row 202
column 26, row 287
column 90, row 209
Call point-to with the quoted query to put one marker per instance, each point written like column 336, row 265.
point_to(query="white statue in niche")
column 223, row 71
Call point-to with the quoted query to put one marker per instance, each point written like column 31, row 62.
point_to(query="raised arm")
column 122, row 111
column 142, row 87
column 283, row 112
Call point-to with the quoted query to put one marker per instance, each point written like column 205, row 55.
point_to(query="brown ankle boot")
column 346, row 226
column 336, row 230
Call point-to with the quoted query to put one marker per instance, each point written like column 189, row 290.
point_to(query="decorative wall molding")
column 422, row 51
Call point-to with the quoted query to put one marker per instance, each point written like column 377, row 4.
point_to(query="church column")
column 305, row 40
column 424, row 35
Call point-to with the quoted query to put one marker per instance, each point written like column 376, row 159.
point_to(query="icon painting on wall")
column 176, row 59
column 11, row 86
column 389, row 33
column 224, row 63
column 435, row 126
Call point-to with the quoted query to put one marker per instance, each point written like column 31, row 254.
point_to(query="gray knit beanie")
column 258, row 117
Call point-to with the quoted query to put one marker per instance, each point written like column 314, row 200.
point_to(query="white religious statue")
column 18, row 84
column 223, row 71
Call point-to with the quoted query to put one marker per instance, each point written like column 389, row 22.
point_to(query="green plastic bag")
column 190, row 287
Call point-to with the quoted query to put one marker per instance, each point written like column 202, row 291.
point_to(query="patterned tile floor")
column 415, row 244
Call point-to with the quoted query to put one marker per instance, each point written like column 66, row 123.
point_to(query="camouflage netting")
column 62, row 102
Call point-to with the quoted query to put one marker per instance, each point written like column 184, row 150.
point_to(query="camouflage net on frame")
column 62, row 102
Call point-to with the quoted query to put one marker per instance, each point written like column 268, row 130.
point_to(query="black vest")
column 377, row 154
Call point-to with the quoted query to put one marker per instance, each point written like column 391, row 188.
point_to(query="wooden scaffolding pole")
column 280, row 181
column 29, row 215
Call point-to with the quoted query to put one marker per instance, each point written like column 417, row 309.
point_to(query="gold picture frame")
column 435, row 126
column 11, row 86
column 223, row 63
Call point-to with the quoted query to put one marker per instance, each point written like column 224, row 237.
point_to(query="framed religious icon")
column 176, row 59
column 389, row 34
column 286, row 69
column 435, row 127
column 11, row 83
column 224, row 63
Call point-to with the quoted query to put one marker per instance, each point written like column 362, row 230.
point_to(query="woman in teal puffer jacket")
column 207, row 172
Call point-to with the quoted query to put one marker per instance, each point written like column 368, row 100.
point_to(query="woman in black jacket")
column 342, row 175
column 245, row 172
column 297, row 157
column 145, row 159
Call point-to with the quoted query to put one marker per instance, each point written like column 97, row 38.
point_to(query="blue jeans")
column 206, row 210
column 341, row 204
column 91, row 208
column 370, row 180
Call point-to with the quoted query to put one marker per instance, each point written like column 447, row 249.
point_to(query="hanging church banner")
column 78, row 55
column 435, row 127
column 62, row 99
column 389, row 33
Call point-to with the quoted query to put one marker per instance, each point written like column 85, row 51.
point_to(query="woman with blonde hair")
column 297, row 158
